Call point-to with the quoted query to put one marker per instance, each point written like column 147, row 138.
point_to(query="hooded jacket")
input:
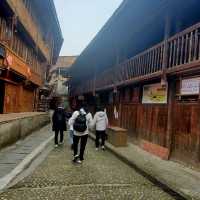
column 100, row 121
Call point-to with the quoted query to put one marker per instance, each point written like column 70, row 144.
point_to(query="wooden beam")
column 169, row 133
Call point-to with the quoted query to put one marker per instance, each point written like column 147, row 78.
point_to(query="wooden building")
column 144, row 66
column 30, row 42
column 58, row 81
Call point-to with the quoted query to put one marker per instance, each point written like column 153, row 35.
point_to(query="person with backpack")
column 81, row 121
column 101, row 123
column 59, row 124
column 71, row 133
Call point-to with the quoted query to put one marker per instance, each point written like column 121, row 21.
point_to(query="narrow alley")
column 99, row 100
column 101, row 176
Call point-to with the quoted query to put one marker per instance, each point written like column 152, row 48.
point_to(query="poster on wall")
column 154, row 94
column 190, row 86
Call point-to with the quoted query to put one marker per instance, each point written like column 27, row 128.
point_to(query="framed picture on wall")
column 154, row 94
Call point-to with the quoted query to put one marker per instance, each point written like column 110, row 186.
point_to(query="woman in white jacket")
column 101, row 123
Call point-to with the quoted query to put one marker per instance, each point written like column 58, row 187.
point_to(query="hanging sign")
column 9, row 60
column 190, row 86
column 116, row 114
column 154, row 94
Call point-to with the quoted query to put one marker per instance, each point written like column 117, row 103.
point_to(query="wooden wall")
column 110, row 112
column 11, row 103
column 129, row 117
column 186, row 131
column 27, row 101
column 147, row 122
column 18, row 99
column 150, row 122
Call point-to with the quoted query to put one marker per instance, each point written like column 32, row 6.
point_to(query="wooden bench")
column 117, row 136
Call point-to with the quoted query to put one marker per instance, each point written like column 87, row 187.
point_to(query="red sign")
column 9, row 60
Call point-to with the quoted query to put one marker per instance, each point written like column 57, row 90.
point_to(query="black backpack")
column 80, row 123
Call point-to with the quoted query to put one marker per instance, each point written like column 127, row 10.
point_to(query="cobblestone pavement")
column 101, row 177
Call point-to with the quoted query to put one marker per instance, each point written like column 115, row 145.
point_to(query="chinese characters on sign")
column 154, row 94
column 190, row 86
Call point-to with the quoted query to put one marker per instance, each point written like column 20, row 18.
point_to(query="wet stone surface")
column 101, row 176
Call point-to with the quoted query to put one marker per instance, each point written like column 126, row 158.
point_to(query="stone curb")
column 170, row 188
column 24, row 117
column 24, row 164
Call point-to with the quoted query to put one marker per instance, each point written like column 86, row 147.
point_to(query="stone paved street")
column 12, row 156
column 101, row 176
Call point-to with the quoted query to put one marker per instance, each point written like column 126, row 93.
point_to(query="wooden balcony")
column 27, row 21
column 176, row 54
column 18, row 65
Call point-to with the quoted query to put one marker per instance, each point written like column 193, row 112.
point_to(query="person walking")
column 101, row 123
column 59, row 124
column 81, row 122
column 71, row 133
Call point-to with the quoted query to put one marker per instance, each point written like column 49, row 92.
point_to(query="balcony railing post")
column 164, row 61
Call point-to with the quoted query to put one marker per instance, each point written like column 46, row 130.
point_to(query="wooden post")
column 198, row 135
column 165, row 51
column 169, row 133
column 20, row 98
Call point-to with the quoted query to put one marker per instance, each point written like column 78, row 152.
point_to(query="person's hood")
column 101, row 114
column 82, row 111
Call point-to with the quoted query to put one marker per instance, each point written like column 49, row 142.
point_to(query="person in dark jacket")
column 59, row 124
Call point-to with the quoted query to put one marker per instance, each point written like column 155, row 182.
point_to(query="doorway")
column 2, row 94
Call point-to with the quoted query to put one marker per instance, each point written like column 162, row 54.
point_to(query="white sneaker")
column 79, row 161
column 97, row 149
column 103, row 148
column 56, row 146
column 61, row 143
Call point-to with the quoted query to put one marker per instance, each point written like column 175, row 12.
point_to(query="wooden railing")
column 183, row 49
column 17, row 46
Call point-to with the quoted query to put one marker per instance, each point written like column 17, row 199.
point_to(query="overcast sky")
column 81, row 20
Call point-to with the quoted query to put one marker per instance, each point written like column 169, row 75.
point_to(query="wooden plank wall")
column 149, row 122
column 11, row 103
column 110, row 113
column 27, row 101
column 18, row 99
column 186, row 131
column 129, row 117
column 152, row 123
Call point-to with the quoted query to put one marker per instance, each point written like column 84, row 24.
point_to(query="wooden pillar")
column 198, row 134
column 171, row 98
column 167, row 27
column 20, row 98
column 165, row 51
column 36, row 99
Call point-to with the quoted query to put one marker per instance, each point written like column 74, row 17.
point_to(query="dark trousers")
column 56, row 136
column 100, row 135
column 83, row 142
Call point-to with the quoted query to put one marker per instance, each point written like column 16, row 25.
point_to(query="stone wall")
column 13, row 129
